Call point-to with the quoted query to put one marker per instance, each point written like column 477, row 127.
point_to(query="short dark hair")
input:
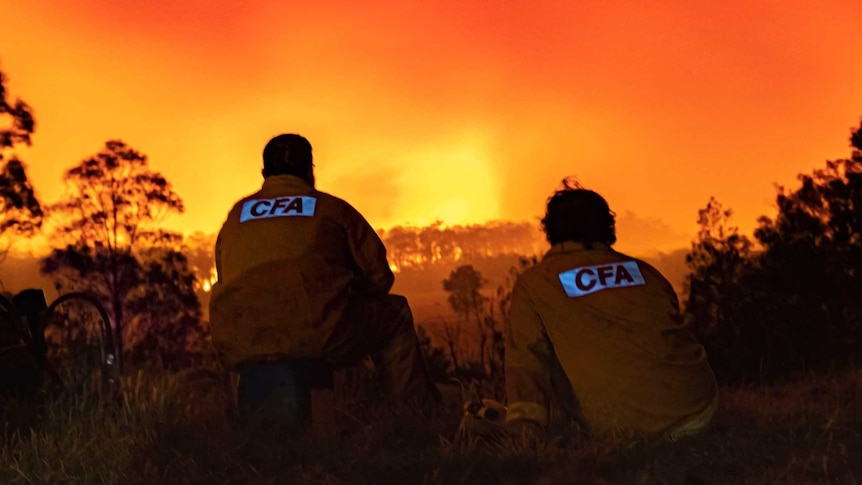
column 287, row 154
column 577, row 214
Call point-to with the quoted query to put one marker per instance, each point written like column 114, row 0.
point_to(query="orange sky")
column 467, row 111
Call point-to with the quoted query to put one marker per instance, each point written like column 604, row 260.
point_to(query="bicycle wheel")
column 80, row 344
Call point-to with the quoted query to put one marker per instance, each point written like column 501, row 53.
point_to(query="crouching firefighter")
column 598, row 335
column 303, row 278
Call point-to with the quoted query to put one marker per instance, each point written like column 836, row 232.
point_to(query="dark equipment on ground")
column 24, row 349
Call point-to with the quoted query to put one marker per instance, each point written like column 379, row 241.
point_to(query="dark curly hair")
column 577, row 214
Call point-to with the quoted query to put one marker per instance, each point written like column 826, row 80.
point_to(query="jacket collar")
column 573, row 246
column 279, row 181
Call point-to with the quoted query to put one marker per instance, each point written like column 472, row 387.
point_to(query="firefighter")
column 599, row 335
column 302, row 275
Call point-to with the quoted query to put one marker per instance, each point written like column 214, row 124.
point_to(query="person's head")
column 577, row 214
column 288, row 155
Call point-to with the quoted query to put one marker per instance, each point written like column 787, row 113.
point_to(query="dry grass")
column 176, row 429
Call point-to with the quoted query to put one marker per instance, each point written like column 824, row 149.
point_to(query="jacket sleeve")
column 369, row 255
column 528, row 350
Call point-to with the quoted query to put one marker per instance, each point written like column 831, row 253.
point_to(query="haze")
column 463, row 111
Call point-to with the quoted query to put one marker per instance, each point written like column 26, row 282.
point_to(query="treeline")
column 790, row 298
column 419, row 247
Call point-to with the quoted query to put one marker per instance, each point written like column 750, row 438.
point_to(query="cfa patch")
column 590, row 279
column 278, row 207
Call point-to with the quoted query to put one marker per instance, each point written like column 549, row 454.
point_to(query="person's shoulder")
column 643, row 265
column 237, row 206
column 257, row 194
column 329, row 198
column 529, row 276
column 337, row 204
column 533, row 270
column 621, row 256
column 648, row 270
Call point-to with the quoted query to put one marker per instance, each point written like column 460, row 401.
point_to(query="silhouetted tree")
column 812, row 265
column 793, row 303
column 164, row 311
column 109, row 221
column 21, row 124
column 464, row 285
column 21, row 211
column 435, row 357
column 452, row 340
column 719, row 260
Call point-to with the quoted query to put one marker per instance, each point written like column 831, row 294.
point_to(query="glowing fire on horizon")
column 207, row 284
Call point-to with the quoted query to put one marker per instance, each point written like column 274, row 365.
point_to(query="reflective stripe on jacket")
column 609, row 327
column 288, row 258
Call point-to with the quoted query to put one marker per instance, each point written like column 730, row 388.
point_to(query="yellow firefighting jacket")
column 601, row 334
column 288, row 259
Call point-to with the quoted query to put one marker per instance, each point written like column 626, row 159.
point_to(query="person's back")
column 302, row 275
column 304, row 268
column 601, row 333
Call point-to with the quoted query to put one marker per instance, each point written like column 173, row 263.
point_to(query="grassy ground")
column 175, row 429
